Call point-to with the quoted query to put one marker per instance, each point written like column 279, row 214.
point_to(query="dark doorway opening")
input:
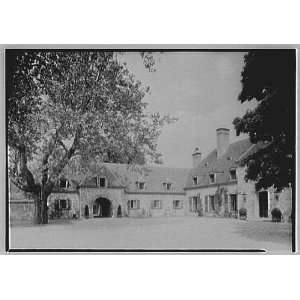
column 102, row 208
column 86, row 211
column 263, row 204
column 119, row 212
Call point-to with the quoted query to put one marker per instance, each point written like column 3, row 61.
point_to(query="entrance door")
column 263, row 204
column 102, row 208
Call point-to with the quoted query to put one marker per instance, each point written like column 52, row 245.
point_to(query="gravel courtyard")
column 155, row 233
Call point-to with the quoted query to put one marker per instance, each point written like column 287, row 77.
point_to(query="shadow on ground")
column 269, row 232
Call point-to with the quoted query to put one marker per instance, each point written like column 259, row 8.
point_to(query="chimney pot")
column 196, row 157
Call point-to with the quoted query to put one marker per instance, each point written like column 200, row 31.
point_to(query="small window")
column 63, row 183
column 233, row 202
column 277, row 197
column 140, row 185
column 195, row 180
column 133, row 204
column 102, row 182
column 212, row 178
column 232, row 174
column 63, row 204
column 167, row 185
column 156, row 204
column 177, row 204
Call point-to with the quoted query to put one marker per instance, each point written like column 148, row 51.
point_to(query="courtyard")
column 154, row 233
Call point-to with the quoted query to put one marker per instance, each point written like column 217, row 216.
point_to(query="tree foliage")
column 68, row 104
column 269, row 78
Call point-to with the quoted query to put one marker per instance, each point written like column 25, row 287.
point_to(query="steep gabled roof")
column 220, row 166
column 126, row 176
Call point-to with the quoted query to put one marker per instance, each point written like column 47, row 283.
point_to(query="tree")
column 68, row 104
column 269, row 78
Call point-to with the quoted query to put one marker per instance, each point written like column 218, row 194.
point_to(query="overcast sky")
column 201, row 89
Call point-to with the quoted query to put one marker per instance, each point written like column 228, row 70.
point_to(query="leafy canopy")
column 68, row 104
column 269, row 77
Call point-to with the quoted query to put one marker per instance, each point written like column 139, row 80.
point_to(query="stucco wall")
column 284, row 202
column 210, row 191
column 166, row 205
column 89, row 195
column 74, row 197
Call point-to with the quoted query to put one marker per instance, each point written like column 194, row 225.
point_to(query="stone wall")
column 220, row 192
column 75, row 203
column 282, row 200
column 89, row 195
column 21, row 211
column 147, row 210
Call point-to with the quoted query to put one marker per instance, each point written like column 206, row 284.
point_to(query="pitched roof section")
column 220, row 166
column 127, row 176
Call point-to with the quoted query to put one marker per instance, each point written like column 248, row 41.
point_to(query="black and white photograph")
column 127, row 149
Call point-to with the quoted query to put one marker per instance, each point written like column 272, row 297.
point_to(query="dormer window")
column 212, row 178
column 63, row 183
column 167, row 185
column 232, row 173
column 195, row 180
column 99, row 181
column 140, row 185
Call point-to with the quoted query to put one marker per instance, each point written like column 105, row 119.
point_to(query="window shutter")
column 160, row 204
column 174, row 205
column 128, row 204
column 138, row 204
column 152, row 204
column 190, row 203
column 69, row 204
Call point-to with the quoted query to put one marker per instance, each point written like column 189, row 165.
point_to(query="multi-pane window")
column 212, row 178
column 133, row 204
column 194, row 204
column 232, row 174
column 63, row 183
column 167, row 185
column 212, row 202
column 62, row 204
column 233, row 202
column 156, row 204
column 102, row 182
column 177, row 204
column 195, row 180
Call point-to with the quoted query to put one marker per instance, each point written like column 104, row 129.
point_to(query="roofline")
column 64, row 192
column 156, row 193
column 243, row 154
column 95, row 187
column 211, row 185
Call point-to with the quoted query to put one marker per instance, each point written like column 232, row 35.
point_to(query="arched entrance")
column 102, row 208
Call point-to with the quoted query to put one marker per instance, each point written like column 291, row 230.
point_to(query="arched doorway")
column 102, row 208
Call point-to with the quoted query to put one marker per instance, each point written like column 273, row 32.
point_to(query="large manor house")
column 215, row 186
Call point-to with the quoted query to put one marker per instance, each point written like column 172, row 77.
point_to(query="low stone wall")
column 21, row 212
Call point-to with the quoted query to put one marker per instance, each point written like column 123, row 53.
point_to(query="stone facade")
column 215, row 186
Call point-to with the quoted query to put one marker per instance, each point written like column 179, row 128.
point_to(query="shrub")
column 276, row 215
column 243, row 213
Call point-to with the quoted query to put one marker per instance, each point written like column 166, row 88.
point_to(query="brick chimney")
column 196, row 157
column 222, row 141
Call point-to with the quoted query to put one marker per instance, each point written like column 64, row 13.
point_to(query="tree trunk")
column 44, row 207
column 41, row 208
column 38, row 217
